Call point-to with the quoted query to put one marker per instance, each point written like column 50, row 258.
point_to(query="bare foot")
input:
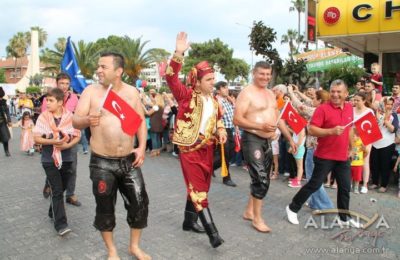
column 261, row 226
column 139, row 253
column 112, row 254
column 247, row 216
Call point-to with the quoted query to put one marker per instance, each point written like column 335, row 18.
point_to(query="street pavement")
column 26, row 232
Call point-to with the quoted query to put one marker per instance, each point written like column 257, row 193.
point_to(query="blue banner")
column 70, row 66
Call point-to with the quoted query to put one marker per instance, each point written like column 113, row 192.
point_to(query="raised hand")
column 182, row 43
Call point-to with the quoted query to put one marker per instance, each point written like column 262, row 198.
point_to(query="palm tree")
column 52, row 58
column 17, row 47
column 300, row 7
column 86, row 55
column 291, row 37
column 42, row 35
column 136, row 58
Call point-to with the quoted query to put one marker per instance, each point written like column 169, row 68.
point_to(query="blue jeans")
column 84, row 141
column 319, row 199
column 155, row 140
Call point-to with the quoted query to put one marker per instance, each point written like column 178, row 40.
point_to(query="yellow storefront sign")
column 351, row 17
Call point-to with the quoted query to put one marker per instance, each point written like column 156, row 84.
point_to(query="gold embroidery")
column 197, row 197
column 187, row 131
column 177, row 58
column 169, row 71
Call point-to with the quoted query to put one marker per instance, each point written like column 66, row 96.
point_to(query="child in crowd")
column 376, row 77
column 357, row 155
column 275, row 155
column 26, row 140
column 55, row 132
column 299, row 139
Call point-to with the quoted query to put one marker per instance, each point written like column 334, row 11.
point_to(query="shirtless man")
column 114, row 164
column 257, row 113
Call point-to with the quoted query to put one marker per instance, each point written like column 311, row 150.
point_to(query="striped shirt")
column 228, row 113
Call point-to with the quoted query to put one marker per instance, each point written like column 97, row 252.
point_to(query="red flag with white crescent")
column 130, row 120
column 293, row 119
column 368, row 128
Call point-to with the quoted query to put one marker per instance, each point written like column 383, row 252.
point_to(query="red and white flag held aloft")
column 368, row 128
column 292, row 118
column 130, row 120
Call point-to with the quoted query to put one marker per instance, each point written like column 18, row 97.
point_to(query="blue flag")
column 70, row 66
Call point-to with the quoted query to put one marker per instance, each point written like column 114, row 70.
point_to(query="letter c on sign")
column 357, row 9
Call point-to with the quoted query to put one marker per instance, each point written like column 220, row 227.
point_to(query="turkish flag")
column 292, row 118
column 368, row 129
column 130, row 120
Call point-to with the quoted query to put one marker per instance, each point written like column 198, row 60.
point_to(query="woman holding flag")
column 383, row 149
column 361, row 107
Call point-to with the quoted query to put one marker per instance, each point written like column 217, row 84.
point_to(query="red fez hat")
column 197, row 72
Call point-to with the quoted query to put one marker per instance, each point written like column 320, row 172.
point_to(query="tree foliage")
column 2, row 76
column 262, row 39
column 347, row 72
column 41, row 33
column 295, row 72
column 236, row 68
column 219, row 55
column 52, row 58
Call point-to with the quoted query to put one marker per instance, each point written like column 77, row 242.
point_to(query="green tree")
column 291, row 38
column 2, row 76
column 159, row 55
column 86, row 55
column 261, row 39
column 214, row 51
column 136, row 58
column 33, row 89
column 300, row 7
column 52, row 57
column 36, row 80
column 236, row 68
column 348, row 72
column 42, row 36
column 17, row 47
column 295, row 72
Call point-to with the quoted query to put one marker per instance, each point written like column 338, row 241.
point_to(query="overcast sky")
column 157, row 21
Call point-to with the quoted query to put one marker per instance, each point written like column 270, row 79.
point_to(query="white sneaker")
column 350, row 223
column 364, row 190
column 356, row 191
column 292, row 216
column 286, row 174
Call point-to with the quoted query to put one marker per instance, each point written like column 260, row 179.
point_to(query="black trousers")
column 322, row 167
column 109, row 175
column 381, row 164
column 57, row 180
column 229, row 149
column 257, row 152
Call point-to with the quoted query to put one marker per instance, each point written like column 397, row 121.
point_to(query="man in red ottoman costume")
column 198, row 125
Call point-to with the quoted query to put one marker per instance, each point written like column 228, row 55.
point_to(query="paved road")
column 27, row 233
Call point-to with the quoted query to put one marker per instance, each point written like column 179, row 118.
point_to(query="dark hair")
column 26, row 113
column 220, row 84
column 263, row 65
column 365, row 97
column 57, row 93
column 63, row 75
column 2, row 93
column 118, row 59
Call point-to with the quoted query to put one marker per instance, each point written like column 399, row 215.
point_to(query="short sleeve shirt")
column 333, row 147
